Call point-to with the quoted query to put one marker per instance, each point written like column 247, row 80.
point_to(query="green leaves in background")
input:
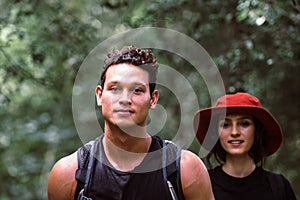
column 255, row 44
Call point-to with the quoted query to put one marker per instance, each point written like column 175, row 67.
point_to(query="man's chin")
column 132, row 129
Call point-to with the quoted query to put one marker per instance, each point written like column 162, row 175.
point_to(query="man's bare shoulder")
column 194, row 177
column 192, row 166
column 62, row 182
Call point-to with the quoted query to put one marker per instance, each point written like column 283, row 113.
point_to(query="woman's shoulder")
column 272, row 175
column 280, row 184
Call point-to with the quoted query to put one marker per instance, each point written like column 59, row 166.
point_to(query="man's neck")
column 123, row 150
column 132, row 139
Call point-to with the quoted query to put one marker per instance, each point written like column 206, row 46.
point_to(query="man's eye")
column 114, row 89
column 137, row 90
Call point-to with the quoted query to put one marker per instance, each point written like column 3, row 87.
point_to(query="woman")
column 240, row 133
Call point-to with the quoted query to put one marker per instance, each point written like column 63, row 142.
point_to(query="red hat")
column 237, row 103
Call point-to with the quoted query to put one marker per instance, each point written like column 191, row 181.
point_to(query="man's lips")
column 124, row 111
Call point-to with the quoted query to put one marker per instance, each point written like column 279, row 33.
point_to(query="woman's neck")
column 239, row 166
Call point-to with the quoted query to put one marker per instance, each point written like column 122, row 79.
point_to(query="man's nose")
column 125, row 98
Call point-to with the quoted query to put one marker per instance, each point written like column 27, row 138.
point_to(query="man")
column 127, row 163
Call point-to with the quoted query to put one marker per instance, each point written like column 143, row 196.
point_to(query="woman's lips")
column 236, row 142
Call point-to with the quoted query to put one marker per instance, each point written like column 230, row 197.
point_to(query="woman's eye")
column 224, row 124
column 245, row 124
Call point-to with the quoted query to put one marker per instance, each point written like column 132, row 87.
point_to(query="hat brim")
column 204, row 127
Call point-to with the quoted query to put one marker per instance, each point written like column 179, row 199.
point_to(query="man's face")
column 125, row 98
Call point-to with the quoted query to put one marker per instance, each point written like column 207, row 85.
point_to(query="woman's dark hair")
column 257, row 151
column 143, row 58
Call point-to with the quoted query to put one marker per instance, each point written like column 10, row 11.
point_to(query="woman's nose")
column 235, row 131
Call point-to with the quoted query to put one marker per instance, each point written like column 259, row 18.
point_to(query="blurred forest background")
column 254, row 43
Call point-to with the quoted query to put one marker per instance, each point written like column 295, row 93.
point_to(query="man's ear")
column 98, row 92
column 154, row 99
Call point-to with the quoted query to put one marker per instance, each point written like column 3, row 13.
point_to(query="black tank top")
column 145, row 182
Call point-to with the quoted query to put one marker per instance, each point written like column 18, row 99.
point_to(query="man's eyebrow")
column 140, row 84
column 112, row 82
column 133, row 84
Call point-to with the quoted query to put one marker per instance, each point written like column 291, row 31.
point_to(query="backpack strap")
column 171, row 172
column 277, row 185
column 85, row 161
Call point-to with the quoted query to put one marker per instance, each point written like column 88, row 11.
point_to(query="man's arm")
column 195, row 180
column 62, row 183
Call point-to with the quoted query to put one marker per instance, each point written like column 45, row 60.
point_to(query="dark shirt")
column 144, row 182
column 255, row 186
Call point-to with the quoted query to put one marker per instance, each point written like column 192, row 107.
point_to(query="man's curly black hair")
column 143, row 58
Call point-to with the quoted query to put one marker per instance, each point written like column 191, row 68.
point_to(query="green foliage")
column 255, row 44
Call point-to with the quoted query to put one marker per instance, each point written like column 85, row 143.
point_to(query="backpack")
column 171, row 173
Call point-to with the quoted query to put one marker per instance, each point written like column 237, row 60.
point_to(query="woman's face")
column 236, row 133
